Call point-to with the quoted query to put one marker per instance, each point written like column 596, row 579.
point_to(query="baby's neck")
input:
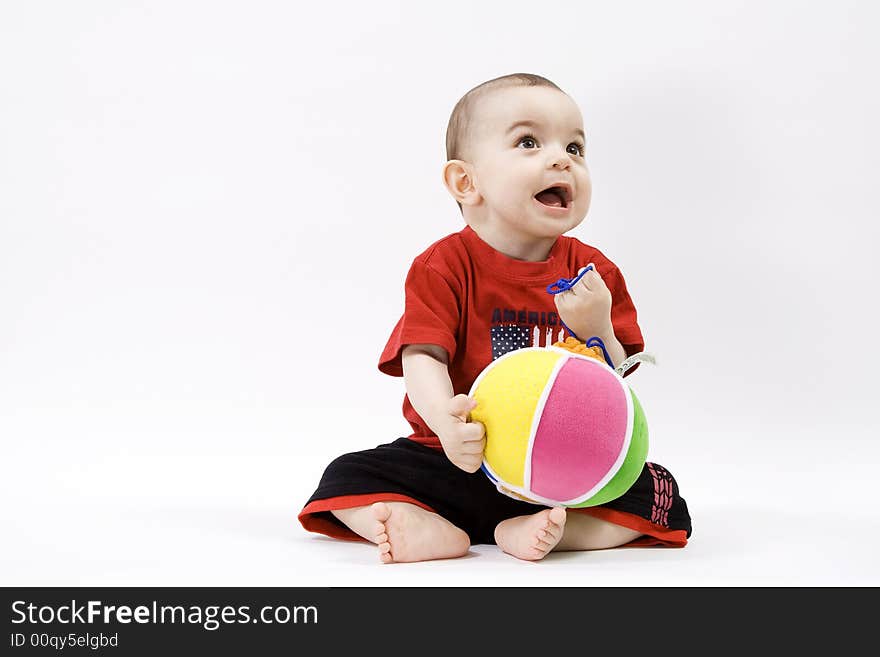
column 514, row 245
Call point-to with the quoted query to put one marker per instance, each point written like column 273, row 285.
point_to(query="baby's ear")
column 458, row 178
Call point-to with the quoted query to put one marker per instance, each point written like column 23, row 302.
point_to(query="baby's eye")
column 527, row 140
column 579, row 149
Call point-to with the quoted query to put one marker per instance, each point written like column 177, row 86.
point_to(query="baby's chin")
column 525, row 217
column 556, row 225
column 548, row 230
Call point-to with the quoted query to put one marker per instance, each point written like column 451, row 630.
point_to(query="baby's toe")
column 557, row 515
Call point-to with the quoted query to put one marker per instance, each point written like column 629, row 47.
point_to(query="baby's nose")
column 559, row 160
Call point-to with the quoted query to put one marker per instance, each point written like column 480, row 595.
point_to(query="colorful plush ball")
column 561, row 428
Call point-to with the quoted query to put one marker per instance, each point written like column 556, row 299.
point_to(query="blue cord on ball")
column 564, row 284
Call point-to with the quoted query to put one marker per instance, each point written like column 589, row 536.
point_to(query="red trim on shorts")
column 335, row 529
column 652, row 534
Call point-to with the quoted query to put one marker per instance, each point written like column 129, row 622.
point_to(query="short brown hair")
column 461, row 119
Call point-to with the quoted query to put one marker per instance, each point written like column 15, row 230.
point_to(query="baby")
column 516, row 166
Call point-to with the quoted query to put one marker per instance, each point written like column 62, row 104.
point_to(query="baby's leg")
column 405, row 532
column 533, row 537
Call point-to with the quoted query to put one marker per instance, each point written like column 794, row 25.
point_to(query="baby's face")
column 526, row 140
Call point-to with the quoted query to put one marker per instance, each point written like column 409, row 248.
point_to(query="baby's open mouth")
column 555, row 197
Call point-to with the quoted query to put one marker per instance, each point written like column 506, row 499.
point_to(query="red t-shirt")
column 478, row 304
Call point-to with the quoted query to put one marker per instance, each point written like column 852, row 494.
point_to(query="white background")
column 207, row 210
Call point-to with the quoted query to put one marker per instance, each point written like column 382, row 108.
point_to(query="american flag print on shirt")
column 509, row 337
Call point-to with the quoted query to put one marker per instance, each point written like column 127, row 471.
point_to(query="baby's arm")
column 431, row 394
column 586, row 308
column 613, row 346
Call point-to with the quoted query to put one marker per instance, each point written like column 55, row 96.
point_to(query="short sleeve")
column 431, row 315
column 623, row 313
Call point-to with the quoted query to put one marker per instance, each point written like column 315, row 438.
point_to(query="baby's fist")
column 586, row 307
column 463, row 441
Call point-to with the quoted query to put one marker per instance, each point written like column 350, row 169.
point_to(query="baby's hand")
column 462, row 440
column 586, row 307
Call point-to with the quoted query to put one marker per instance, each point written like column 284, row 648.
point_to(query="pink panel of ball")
column 581, row 431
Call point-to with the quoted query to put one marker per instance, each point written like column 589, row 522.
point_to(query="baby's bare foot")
column 405, row 532
column 531, row 537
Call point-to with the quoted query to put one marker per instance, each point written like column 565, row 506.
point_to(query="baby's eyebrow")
column 533, row 124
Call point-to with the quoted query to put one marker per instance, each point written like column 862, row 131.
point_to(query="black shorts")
column 408, row 471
